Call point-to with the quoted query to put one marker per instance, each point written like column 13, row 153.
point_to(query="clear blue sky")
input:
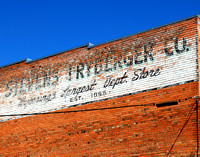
column 37, row 28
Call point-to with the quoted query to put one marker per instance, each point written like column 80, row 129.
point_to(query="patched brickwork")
column 119, row 91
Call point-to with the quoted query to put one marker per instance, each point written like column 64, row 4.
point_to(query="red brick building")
column 133, row 96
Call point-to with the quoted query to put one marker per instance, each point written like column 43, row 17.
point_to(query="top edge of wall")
column 90, row 45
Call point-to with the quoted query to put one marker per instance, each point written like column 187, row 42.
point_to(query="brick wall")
column 116, row 88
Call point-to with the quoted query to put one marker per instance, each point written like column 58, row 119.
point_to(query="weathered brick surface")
column 123, row 120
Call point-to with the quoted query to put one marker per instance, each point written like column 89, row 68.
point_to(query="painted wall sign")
column 137, row 69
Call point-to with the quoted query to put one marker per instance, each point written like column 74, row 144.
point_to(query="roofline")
column 13, row 63
column 28, row 60
column 146, row 30
column 90, row 45
column 84, row 45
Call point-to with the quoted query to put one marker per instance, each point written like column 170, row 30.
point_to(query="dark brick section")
column 143, row 130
